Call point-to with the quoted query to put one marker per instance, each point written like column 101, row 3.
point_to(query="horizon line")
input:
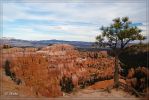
column 44, row 39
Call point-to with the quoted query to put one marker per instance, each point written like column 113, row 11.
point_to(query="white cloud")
column 93, row 14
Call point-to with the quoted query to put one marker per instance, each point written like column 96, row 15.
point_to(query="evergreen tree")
column 116, row 36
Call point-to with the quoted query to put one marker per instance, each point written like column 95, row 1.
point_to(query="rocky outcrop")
column 58, row 68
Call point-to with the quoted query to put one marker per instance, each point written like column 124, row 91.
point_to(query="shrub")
column 11, row 74
column 66, row 84
column 5, row 46
column 135, row 55
column 7, row 68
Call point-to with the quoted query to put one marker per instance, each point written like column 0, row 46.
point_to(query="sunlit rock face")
column 48, row 70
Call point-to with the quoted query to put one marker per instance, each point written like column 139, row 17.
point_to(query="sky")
column 72, row 21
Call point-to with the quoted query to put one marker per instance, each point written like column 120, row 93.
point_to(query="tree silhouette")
column 117, row 36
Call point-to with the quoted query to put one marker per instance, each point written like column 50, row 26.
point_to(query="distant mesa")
column 41, row 43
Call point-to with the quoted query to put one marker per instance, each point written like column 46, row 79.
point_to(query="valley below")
column 62, row 71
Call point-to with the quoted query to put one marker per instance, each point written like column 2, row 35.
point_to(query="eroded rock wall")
column 57, row 68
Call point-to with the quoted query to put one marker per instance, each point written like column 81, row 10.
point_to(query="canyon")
column 59, row 69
